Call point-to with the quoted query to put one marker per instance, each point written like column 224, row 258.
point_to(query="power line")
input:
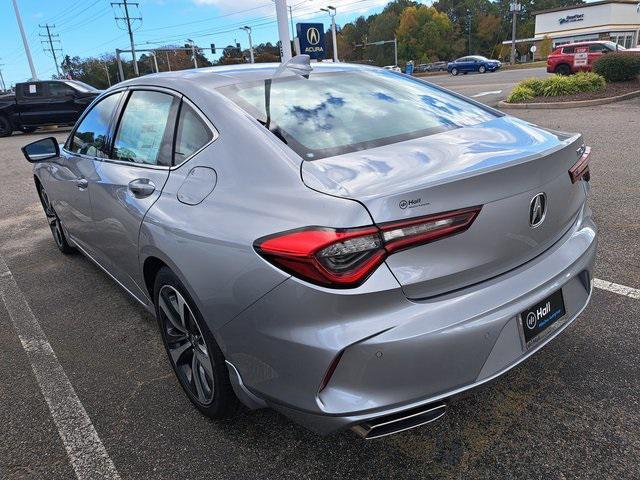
column 51, row 38
column 129, row 20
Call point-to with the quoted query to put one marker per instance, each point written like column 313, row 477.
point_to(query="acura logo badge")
column 313, row 36
column 537, row 210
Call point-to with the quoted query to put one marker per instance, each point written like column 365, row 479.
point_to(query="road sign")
column 311, row 37
column 533, row 49
column 580, row 59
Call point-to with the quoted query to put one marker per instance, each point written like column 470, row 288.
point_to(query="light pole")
column 469, row 21
column 193, row 52
column 283, row 30
column 34, row 75
column 248, row 30
column 332, row 13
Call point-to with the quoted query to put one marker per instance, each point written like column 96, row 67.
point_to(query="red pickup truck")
column 578, row 57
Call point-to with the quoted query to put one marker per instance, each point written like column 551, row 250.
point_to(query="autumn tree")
column 424, row 34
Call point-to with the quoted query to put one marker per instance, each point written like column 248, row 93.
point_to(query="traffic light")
column 213, row 48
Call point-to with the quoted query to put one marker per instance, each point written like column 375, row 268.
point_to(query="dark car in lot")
column 473, row 63
column 40, row 103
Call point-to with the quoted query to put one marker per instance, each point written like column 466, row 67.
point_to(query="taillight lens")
column 580, row 170
column 344, row 258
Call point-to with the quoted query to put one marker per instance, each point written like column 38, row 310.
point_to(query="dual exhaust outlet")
column 399, row 422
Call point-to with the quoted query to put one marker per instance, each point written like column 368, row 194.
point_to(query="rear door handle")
column 142, row 187
column 82, row 184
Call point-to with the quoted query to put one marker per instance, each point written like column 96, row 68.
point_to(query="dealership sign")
column 311, row 38
column 578, row 17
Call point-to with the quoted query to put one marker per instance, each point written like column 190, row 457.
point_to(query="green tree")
column 424, row 34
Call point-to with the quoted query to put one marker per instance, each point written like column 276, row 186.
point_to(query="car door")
column 70, row 174
column 466, row 64
column 128, row 183
column 60, row 103
column 30, row 103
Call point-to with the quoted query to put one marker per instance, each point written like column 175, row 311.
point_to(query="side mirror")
column 41, row 150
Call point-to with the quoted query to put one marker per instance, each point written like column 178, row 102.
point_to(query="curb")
column 571, row 104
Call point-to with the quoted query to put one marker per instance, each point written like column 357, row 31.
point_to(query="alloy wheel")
column 186, row 345
column 52, row 219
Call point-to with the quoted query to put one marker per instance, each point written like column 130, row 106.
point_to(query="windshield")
column 339, row 112
column 614, row 46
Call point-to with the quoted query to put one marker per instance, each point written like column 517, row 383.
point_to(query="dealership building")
column 615, row 20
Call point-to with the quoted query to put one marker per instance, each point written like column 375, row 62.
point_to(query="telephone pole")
column 129, row 20
column 2, row 85
column 50, row 39
column 332, row 13
column 34, row 75
column 515, row 8
column 248, row 30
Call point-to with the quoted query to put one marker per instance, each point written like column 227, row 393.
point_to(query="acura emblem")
column 313, row 36
column 537, row 210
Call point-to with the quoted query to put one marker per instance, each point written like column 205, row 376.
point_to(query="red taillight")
column 580, row 169
column 344, row 258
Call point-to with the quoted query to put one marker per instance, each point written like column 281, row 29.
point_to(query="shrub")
column 521, row 94
column 589, row 82
column 535, row 84
column 618, row 67
column 559, row 85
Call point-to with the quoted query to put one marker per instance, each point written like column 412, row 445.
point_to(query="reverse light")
column 580, row 170
column 344, row 258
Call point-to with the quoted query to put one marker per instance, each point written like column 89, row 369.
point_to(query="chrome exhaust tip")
column 399, row 422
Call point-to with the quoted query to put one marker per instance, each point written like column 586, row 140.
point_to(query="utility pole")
column 155, row 61
column 168, row 64
column 514, row 7
column 193, row 52
column 129, row 19
column 248, row 30
column 293, row 31
column 283, row 30
column 469, row 21
column 50, row 38
column 332, row 13
column 34, row 75
column 106, row 70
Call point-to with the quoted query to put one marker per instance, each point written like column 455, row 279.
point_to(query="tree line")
column 443, row 31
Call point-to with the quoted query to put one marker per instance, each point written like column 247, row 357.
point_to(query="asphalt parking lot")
column 571, row 411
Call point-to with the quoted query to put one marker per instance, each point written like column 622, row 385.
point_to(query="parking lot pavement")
column 488, row 88
column 570, row 411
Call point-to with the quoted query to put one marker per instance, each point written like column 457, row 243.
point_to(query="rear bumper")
column 398, row 354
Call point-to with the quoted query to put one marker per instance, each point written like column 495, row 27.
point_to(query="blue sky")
column 88, row 28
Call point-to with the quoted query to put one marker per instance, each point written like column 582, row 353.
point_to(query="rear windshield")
column 339, row 112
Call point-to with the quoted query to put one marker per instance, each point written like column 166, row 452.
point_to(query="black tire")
column 482, row 69
column 454, row 72
column 563, row 69
column 218, row 399
column 29, row 129
column 6, row 129
column 55, row 224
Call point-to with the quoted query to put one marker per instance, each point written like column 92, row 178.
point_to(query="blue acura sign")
column 311, row 38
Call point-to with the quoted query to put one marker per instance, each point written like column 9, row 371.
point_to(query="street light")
column 193, row 52
column 332, row 13
column 248, row 30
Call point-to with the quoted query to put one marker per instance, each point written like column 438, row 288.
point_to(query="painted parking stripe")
column 617, row 288
column 86, row 452
column 482, row 94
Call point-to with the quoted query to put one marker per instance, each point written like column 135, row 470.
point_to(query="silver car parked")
column 346, row 245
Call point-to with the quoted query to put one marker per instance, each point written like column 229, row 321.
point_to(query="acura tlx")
column 345, row 244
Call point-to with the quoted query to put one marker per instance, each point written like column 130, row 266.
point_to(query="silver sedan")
column 349, row 246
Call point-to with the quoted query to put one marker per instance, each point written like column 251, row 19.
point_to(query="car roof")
column 213, row 77
column 589, row 42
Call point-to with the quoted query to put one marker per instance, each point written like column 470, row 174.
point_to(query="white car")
column 395, row 68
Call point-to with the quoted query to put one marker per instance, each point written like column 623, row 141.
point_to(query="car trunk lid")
column 501, row 165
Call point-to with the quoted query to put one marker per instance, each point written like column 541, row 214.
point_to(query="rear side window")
column 30, row 90
column 338, row 112
column 59, row 89
column 91, row 136
column 569, row 50
column 193, row 134
column 145, row 132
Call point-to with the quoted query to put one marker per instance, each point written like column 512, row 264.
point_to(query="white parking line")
column 86, row 453
column 482, row 94
column 617, row 288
